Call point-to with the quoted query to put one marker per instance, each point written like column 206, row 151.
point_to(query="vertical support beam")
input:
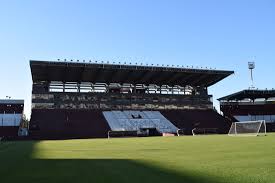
column 172, row 90
column 78, row 87
column 135, row 89
column 92, row 87
column 3, row 118
column 63, row 85
column 184, row 88
column 107, row 88
column 14, row 119
column 47, row 86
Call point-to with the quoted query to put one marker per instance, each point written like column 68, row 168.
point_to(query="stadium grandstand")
column 250, row 105
column 11, row 113
column 92, row 100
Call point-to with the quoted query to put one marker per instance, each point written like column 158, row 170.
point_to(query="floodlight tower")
column 251, row 66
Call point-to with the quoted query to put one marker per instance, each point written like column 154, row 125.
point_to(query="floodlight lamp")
column 251, row 65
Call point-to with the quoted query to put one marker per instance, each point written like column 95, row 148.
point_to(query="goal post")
column 248, row 128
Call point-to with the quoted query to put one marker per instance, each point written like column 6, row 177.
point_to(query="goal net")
column 248, row 128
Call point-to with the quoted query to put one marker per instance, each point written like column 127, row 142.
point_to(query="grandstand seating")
column 190, row 119
column 65, row 124
column 84, row 123
column 136, row 120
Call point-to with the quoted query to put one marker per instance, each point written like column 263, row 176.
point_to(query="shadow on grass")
column 20, row 167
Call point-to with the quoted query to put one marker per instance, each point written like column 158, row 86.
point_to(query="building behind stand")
column 250, row 105
column 11, row 113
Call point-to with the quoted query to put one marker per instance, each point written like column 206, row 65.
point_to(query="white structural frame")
column 180, row 129
column 257, row 132
column 193, row 132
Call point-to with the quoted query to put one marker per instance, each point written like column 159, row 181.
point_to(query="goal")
column 248, row 128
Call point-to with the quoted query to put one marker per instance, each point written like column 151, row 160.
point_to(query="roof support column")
column 135, row 89
column 63, row 86
column 92, row 87
column 78, row 87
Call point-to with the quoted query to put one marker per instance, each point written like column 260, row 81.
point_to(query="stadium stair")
column 136, row 120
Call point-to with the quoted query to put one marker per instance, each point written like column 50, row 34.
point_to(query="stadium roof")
column 251, row 94
column 119, row 73
column 11, row 101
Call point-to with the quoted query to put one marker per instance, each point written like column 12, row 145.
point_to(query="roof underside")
column 112, row 73
column 11, row 101
column 251, row 94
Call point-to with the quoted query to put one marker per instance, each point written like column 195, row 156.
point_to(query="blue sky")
column 218, row 34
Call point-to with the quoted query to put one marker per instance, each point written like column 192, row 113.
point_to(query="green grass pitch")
column 187, row 159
